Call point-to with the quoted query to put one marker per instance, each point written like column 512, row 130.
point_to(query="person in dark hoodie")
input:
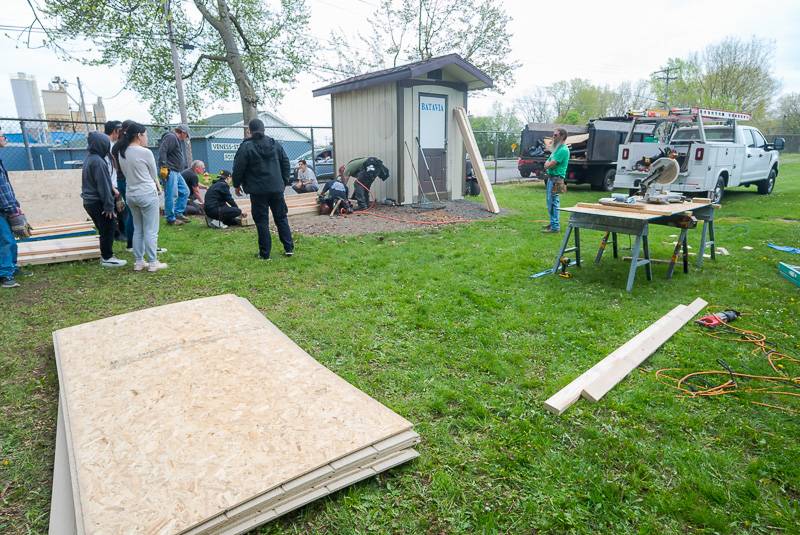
column 98, row 195
column 261, row 168
column 220, row 207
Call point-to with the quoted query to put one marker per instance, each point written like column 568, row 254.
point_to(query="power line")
column 666, row 78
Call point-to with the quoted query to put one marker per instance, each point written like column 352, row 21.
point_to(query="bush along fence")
column 38, row 144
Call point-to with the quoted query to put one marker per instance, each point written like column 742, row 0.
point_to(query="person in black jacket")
column 98, row 195
column 219, row 203
column 261, row 168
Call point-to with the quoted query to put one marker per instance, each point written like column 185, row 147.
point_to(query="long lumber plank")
column 602, row 384
column 33, row 260
column 564, row 398
column 477, row 160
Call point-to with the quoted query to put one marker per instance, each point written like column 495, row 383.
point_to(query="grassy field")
column 445, row 327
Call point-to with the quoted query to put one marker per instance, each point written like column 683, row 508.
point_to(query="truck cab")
column 713, row 151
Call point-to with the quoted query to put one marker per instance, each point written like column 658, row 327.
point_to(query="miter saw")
column 654, row 188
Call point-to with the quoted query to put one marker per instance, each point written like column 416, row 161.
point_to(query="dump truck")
column 593, row 150
column 714, row 152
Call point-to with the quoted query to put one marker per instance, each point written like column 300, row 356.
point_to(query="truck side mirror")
column 778, row 143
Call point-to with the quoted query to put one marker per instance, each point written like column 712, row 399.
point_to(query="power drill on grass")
column 712, row 321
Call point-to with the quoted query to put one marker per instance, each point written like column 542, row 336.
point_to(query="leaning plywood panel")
column 171, row 429
column 477, row 160
column 49, row 197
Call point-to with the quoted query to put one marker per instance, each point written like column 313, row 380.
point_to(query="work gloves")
column 19, row 225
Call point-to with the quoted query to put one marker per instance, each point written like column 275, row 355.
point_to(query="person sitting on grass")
column 306, row 180
column 221, row 209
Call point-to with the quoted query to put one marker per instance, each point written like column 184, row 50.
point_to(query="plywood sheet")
column 477, row 160
column 171, row 427
column 49, row 197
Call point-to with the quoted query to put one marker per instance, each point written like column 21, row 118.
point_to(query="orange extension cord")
column 783, row 384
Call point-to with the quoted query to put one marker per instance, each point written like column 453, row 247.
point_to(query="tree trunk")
column 225, row 27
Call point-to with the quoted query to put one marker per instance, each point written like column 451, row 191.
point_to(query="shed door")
column 433, row 142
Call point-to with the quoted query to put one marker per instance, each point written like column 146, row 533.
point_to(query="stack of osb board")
column 55, row 250
column 215, row 432
column 302, row 203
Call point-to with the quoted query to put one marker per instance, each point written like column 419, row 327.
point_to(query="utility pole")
column 176, row 65
column 666, row 78
column 83, row 105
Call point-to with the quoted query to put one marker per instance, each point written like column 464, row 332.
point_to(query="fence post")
column 496, row 135
column 313, row 159
column 27, row 145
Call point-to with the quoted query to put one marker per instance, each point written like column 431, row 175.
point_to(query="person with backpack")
column 98, row 195
column 261, row 169
column 365, row 171
column 334, row 194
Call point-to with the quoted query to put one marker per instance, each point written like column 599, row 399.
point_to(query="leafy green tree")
column 788, row 116
column 733, row 74
column 248, row 49
column 404, row 31
column 501, row 129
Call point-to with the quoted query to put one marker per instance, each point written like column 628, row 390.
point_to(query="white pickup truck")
column 714, row 152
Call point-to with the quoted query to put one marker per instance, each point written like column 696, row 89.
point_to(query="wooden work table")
column 635, row 220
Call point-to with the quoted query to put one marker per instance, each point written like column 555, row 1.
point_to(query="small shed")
column 404, row 116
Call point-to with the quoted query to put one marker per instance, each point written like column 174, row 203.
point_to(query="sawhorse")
column 612, row 225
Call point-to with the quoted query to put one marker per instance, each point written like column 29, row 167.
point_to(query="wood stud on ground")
column 603, row 376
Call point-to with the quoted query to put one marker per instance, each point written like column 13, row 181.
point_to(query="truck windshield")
column 712, row 134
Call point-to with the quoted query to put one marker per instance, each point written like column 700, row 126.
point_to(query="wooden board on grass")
column 179, row 430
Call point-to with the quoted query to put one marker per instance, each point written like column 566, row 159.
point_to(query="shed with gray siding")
column 406, row 110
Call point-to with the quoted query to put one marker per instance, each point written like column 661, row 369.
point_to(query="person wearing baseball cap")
column 171, row 161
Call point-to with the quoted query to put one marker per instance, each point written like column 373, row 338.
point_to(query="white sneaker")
column 156, row 266
column 139, row 266
column 113, row 262
column 160, row 250
column 215, row 223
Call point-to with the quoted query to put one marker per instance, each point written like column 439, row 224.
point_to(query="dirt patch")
column 381, row 218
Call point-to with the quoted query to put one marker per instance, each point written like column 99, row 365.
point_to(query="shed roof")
column 453, row 64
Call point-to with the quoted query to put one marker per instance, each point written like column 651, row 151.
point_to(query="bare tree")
column 410, row 30
column 789, row 113
column 535, row 107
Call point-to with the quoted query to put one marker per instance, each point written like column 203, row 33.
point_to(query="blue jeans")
column 553, row 203
column 8, row 249
column 173, row 209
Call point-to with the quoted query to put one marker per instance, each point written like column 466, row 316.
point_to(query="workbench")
column 635, row 221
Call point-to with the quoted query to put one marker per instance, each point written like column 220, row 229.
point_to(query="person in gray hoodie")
column 98, row 195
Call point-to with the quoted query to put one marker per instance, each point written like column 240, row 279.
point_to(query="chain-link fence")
column 500, row 151
column 36, row 144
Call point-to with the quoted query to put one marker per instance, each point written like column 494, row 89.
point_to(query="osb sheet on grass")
column 380, row 218
column 169, row 429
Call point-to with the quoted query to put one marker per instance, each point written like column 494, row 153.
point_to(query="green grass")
column 446, row 328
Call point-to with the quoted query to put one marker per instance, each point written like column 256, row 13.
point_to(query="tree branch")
column 241, row 33
column 210, row 57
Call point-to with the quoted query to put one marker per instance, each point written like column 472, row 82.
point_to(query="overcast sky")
column 606, row 42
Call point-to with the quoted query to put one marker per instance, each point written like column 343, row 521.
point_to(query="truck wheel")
column 765, row 186
column 719, row 190
column 525, row 174
column 607, row 183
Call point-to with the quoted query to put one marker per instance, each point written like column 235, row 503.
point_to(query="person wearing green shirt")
column 556, row 169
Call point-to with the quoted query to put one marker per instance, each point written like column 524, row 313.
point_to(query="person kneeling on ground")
column 306, row 181
column 336, row 190
column 194, row 206
column 220, row 207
